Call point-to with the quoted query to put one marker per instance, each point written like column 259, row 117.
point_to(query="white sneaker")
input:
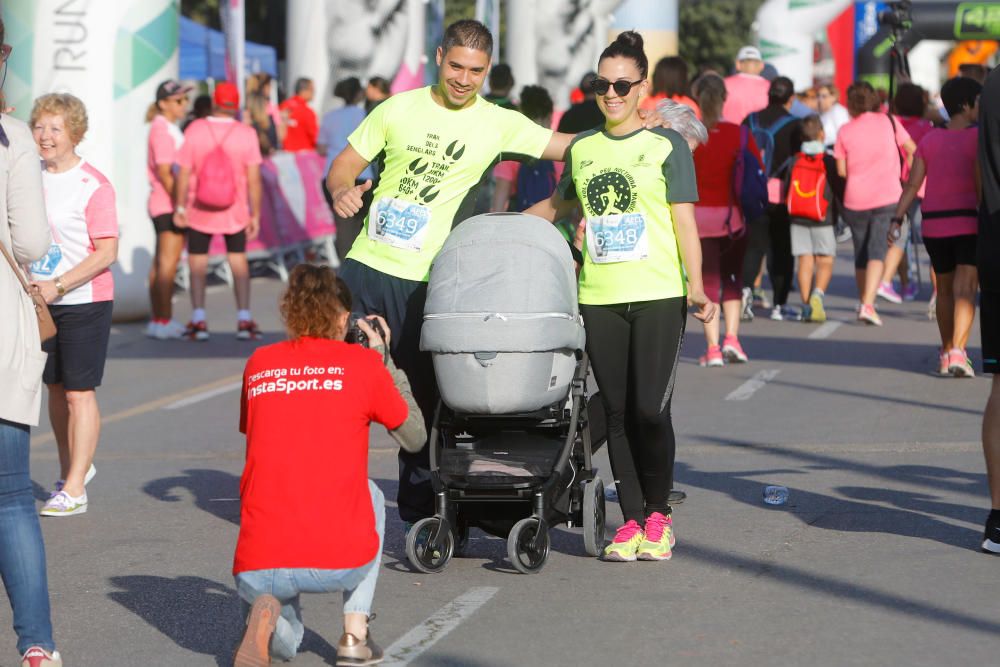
column 153, row 329
column 63, row 504
column 36, row 656
column 91, row 471
column 776, row 314
column 171, row 330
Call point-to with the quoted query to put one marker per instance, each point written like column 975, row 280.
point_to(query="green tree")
column 712, row 31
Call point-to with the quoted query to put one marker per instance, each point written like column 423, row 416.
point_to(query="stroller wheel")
column 593, row 516
column 421, row 550
column 525, row 558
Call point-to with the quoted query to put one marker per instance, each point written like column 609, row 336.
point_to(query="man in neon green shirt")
column 437, row 144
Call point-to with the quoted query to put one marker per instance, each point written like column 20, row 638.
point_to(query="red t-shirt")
column 302, row 127
column 714, row 161
column 306, row 408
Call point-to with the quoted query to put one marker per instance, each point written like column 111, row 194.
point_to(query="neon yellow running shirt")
column 626, row 185
column 435, row 159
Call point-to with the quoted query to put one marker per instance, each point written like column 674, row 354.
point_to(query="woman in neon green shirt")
column 641, row 269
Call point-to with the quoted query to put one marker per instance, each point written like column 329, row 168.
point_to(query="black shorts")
column 948, row 252
column 198, row 242
column 989, row 327
column 80, row 347
column 165, row 223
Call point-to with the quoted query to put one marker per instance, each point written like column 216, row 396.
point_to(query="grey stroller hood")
column 501, row 316
column 503, row 282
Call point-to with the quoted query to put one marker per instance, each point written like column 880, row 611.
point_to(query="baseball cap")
column 169, row 88
column 227, row 96
column 749, row 53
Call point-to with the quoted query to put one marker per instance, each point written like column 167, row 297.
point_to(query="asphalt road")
column 873, row 561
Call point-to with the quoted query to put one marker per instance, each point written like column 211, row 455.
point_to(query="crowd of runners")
column 680, row 193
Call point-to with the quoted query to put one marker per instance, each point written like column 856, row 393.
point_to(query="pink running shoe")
column 889, row 293
column 959, row 364
column 868, row 315
column 627, row 540
column 733, row 351
column 712, row 358
column 660, row 540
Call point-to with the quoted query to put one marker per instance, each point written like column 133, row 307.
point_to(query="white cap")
column 749, row 53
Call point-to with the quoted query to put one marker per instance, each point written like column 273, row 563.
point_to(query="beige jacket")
column 24, row 230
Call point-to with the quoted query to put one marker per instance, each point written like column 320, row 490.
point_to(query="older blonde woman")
column 75, row 279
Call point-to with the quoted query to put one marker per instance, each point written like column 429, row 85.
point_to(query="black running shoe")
column 991, row 537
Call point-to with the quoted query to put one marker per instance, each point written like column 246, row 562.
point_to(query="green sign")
column 977, row 20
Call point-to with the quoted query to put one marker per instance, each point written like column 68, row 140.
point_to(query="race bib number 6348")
column 617, row 238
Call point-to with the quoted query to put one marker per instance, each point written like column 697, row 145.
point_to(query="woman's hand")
column 253, row 228
column 707, row 310
column 180, row 218
column 47, row 288
column 895, row 231
column 651, row 119
column 374, row 339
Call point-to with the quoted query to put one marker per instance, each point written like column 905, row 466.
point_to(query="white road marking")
column 825, row 330
column 201, row 396
column 750, row 387
column 447, row 618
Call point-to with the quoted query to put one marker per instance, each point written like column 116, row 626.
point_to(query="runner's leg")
column 608, row 342
column 657, row 331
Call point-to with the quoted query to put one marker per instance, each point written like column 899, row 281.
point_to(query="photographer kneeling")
column 310, row 520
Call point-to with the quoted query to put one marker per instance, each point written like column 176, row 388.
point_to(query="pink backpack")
column 216, row 189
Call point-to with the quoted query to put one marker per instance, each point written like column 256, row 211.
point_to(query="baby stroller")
column 511, row 441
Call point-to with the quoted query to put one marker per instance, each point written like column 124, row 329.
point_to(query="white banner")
column 112, row 55
column 233, row 15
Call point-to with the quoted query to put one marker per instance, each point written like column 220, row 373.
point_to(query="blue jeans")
column 358, row 585
column 22, row 552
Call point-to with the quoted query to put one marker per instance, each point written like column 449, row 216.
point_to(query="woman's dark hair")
column 959, row 93
column 861, row 98
column 349, row 90
column 781, row 91
column 628, row 45
column 536, row 103
column 670, row 77
column 380, row 83
column 910, row 100
column 313, row 302
column 202, row 106
column 711, row 98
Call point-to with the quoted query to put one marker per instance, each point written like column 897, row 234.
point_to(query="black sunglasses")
column 621, row 86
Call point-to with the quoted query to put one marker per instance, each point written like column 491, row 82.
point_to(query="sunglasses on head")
column 621, row 86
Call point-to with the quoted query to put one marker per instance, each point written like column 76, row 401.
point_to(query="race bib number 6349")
column 401, row 224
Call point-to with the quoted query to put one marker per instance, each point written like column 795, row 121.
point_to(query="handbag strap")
column 15, row 269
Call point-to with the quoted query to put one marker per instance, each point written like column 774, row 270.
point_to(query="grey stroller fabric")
column 501, row 318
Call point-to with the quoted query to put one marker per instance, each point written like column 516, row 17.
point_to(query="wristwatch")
column 180, row 209
column 60, row 288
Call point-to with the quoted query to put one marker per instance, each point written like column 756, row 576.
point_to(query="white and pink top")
column 80, row 203
column 165, row 140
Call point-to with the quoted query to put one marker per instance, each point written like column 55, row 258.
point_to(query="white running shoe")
column 153, row 329
column 63, row 504
column 171, row 330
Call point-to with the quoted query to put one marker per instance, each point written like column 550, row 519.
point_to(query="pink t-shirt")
column 872, row 155
column 950, row 157
column 745, row 93
column 916, row 128
column 80, row 204
column 241, row 145
column 165, row 140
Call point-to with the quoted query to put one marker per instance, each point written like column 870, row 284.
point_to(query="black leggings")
column 634, row 348
column 771, row 235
